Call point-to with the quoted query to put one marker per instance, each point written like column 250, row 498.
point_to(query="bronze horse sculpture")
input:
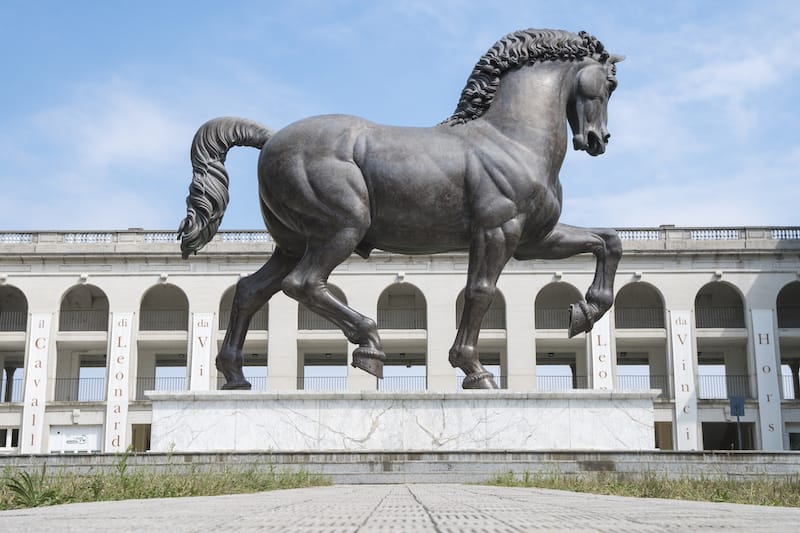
column 484, row 181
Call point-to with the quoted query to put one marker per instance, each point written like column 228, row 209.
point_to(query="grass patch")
column 785, row 493
column 19, row 489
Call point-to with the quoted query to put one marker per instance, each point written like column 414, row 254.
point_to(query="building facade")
column 90, row 321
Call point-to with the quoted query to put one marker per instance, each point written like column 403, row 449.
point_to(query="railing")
column 83, row 320
column 716, row 234
column 723, row 387
column 245, row 236
column 639, row 317
column 161, row 237
column 329, row 383
column 162, row 384
column 259, row 322
column 552, row 318
column 16, row 390
column 403, row 383
column 401, row 319
column 308, row 320
column 500, row 381
column 80, row 389
column 88, row 238
column 644, row 383
column 719, row 317
column 561, row 382
column 789, row 316
column 640, row 235
column 493, row 319
column 789, row 393
column 16, row 238
column 164, row 320
column 13, row 320
column 786, row 234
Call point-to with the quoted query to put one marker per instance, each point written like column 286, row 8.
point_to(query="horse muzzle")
column 590, row 142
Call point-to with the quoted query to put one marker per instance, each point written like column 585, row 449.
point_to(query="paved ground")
column 345, row 508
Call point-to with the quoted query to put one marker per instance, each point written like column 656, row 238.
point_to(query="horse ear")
column 615, row 58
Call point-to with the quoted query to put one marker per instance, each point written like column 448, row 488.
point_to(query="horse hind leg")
column 307, row 284
column 252, row 292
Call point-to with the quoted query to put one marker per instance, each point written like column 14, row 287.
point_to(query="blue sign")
column 737, row 405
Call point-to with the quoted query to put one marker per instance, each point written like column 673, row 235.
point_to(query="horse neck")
column 530, row 105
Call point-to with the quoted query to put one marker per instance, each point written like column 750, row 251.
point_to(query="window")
column 9, row 437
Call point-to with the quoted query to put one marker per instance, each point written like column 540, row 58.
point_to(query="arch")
column 639, row 305
column 719, row 305
column 84, row 308
column 402, row 306
column 551, row 306
column 13, row 309
column 309, row 320
column 495, row 317
column 164, row 307
column 259, row 322
column 788, row 306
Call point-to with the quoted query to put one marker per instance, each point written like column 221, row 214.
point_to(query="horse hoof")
column 579, row 321
column 369, row 360
column 237, row 385
column 479, row 380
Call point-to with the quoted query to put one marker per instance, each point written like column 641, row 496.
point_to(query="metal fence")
column 13, row 320
column 644, row 383
column 789, row 316
column 164, row 320
column 561, row 382
column 309, row 320
column 719, row 317
column 723, row 387
column 403, row 383
column 401, row 319
column 259, row 322
column 639, row 317
column 327, row 383
column 83, row 320
column 552, row 318
column 161, row 384
column 789, row 392
column 80, row 389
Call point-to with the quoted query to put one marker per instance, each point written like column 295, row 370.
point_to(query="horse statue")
column 484, row 181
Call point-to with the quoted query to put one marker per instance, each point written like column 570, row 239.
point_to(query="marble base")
column 204, row 421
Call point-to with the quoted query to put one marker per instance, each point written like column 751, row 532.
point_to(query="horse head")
column 587, row 110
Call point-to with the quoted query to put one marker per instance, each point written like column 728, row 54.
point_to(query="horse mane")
column 513, row 51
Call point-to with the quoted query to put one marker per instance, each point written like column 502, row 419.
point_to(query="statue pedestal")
column 205, row 421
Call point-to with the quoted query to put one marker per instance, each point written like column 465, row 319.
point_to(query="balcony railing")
column 561, row 382
column 308, row 320
column 16, row 390
column 160, row 384
column 326, row 383
column 719, row 317
column 401, row 319
column 83, row 320
column 789, row 316
column 403, row 383
column 493, row 319
column 13, row 320
column 639, row 317
column 552, row 318
column 164, row 320
column 644, row 383
column 723, row 387
column 789, row 393
column 259, row 322
column 80, row 389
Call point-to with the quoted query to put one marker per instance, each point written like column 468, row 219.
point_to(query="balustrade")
column 719, row 317
column 143, row 384
column 13, row 320
column 723, row 387
column 403, row 383
column 164, row 320
column 644, row 383
column 324, row 383
column 552, row 318
column 561, row 382
column 80, row 389
column 401, row 319
column 83, row 320
column 639, row 317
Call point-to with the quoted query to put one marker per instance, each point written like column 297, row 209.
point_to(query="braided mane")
column 515, row 50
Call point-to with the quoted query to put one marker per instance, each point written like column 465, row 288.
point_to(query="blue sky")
column 100, row 100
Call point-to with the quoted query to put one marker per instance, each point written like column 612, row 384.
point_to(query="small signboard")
column 737, row 405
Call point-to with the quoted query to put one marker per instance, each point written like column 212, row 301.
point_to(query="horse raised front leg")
column 252, row 292
column 490, row 251
column 565, row 241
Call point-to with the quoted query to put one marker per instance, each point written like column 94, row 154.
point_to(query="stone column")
column 282, row 344
column 441, row 301
column 687, row 435
column 39, row 351
column 119, row 362
column 520, row 341
column 602, row 358
column 201, row 354
column 767, row 376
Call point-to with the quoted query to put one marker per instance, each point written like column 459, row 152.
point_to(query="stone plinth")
column 202, row 421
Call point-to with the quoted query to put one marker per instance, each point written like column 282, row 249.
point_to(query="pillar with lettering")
column 119, row 364
column 32, row 431
column 202, row 351
column 767, row 371
column 686, row 434
column 600, row 348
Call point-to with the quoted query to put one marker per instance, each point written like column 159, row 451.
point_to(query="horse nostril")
column 606, row 137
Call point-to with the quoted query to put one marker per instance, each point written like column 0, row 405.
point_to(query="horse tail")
column 208, row 192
